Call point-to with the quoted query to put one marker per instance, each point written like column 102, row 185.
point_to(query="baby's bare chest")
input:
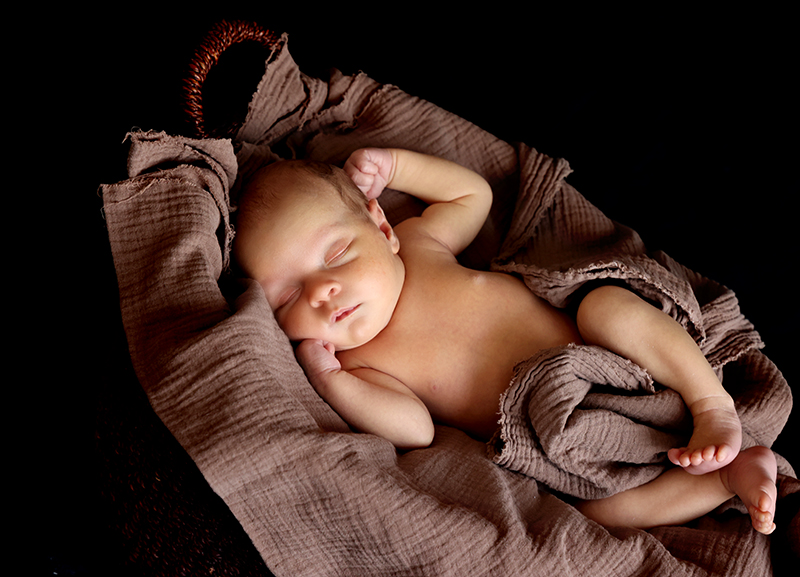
column 456, row 336
column 476, row 320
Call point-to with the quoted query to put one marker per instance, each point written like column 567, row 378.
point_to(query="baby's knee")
column 600, row 308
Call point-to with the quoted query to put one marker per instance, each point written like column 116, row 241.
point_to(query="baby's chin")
column 350, row 346
column 359, row 340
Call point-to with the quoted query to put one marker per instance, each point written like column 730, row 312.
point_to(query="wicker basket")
column 221, row 37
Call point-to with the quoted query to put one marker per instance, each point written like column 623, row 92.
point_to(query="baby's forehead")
column 269, row 209
column 293, row 240
column 303, row 214
column 280, row 198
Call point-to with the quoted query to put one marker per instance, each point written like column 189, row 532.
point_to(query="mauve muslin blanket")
column 317, row 499
column 559, row 243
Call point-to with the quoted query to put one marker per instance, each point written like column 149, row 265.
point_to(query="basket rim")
column 218, row 39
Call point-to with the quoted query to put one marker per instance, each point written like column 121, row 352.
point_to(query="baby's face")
column 327, row 273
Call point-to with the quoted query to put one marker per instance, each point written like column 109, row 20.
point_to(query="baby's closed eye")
column 337, row 253
column 286, row 298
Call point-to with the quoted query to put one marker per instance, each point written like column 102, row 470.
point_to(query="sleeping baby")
column 394, row 334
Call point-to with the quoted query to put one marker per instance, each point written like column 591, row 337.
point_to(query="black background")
column 681, row 125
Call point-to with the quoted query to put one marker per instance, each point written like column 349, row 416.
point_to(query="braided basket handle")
column 222, row 36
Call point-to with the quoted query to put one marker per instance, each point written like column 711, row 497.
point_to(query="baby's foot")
column 752, row 477
column 716, row 439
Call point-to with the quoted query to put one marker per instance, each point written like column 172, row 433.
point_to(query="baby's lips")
column 342, row 314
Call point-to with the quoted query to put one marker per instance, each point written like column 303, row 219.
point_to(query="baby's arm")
column 381, row 405
column 459, row 198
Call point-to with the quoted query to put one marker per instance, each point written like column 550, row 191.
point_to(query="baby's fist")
column 317, row 358
column 370, row 169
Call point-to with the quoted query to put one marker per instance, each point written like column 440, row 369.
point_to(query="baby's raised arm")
column 459, row 198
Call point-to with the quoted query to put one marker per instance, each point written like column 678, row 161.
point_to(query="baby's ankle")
column 722, row 401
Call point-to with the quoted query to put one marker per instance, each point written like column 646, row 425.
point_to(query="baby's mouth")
column 344, row 313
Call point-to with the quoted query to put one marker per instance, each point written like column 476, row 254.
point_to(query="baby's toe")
column 767, row 527
column 762, row 520
column 698, row 457
column 674, row 455
column 708, row 453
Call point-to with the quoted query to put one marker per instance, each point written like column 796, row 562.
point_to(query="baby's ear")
column 379, row 218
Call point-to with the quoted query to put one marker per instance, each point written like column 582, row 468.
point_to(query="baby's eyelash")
column 284, row 300
column 339, row 253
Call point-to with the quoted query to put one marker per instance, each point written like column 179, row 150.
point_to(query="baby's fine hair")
column 259, row 194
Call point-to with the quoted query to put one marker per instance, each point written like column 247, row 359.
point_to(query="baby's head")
column 326, row 257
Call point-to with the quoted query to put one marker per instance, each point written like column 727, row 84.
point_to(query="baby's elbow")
column 426, row 435
column 417, row 437
column 485, row 196
column 421, row 442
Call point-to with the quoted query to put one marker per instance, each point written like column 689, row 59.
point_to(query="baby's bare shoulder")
column 417, row 247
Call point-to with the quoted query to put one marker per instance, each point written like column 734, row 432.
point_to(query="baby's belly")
column 466, row 359
column 467, row 397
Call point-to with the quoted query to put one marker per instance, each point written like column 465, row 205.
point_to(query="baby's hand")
column 370, row 169
column 317, row 359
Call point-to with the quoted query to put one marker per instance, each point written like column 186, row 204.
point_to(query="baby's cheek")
column 286, row 324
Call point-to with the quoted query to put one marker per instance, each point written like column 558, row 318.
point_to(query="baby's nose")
column 323, row 291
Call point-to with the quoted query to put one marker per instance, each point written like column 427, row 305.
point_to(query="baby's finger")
column 360, row 160
column 367, row 167
column 362, row 181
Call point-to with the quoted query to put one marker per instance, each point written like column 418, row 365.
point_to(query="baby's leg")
column 677, row 497
column 617, row 319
